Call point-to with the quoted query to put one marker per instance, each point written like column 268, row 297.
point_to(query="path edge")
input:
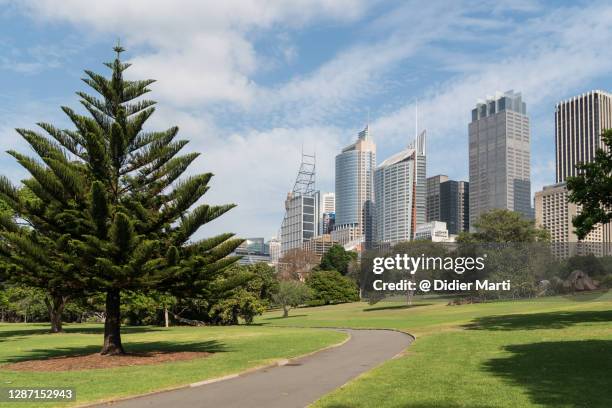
column 278, row 363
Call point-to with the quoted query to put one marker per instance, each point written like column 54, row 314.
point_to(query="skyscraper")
column 448, row 201
column 579, row 122
column 327, row 207
column 499, row 149
column 433, row 197
column 354, row 192
column 400, row 189
column 394, row 182
column 301, row 212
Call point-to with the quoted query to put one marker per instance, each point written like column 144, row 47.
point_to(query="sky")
column 253, row 82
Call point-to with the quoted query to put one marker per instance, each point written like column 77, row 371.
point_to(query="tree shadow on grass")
column 210, row 346
column 560, row 373
column 395, row 307
column 281, row 317
column 534, row 321
column 73, row 329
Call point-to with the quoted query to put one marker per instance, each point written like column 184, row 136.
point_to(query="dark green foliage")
column 109, row 213
column 258, row 284
column 592, row 189
column 500, row 226
column 329, row 287
column 338, row 259
column 20, row 303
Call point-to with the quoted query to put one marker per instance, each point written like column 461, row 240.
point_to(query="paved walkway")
column 296, row 384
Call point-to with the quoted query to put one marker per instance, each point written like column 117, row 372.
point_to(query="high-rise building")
column 554, row 213
column 448, row 201
column 433, row 197
column 579, row 122
column 354, row 191
column 300, row 222
column 499, row 154
column 400, row 188
column 420, row 187
column 327, row 206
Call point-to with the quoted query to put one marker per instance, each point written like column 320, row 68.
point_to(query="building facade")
column 274, row 247
column 434, row 231
column 327, row 210
column 394, row 182
column 433, row 196
column 579, row 122
column 499, row 156
column 354, row 186
column 252, row 251
column 299, row 222
column 448, row 201
column 554, row 213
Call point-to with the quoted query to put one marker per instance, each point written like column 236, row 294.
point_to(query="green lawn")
column 235, row 349
column 549, row 352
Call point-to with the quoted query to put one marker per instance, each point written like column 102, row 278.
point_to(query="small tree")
column 291, row 294
column 337, row 258
column 592, row 189
column 330, row 287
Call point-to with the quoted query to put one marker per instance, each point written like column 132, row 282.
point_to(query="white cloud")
column 200, row 51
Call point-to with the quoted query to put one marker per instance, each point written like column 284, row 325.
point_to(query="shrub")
column 331, row 287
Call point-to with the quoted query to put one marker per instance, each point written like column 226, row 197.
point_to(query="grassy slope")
column 553, row 352
column 236, row 349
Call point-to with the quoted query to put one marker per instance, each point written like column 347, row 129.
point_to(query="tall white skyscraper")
column 500, row 154
column 354, row 191
column 400, row 194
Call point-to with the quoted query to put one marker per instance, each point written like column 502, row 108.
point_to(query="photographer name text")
column 440, row 284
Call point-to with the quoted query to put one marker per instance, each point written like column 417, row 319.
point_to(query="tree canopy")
column 504, row 226
column 592, row 189
column 337, row 258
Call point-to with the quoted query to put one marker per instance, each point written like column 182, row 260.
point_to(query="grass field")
column 549, row 352
column 235, row 349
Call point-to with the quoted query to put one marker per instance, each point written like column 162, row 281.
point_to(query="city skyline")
column 236, row 92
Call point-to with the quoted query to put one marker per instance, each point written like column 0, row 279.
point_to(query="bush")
column 331, row 287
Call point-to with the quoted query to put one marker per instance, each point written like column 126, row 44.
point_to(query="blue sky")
column 250, row 82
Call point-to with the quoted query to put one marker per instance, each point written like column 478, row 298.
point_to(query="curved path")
column 296, row 384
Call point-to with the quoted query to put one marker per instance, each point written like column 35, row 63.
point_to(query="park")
column 528, row 353
column 109, row 290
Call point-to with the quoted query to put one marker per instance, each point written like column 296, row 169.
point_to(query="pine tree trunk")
column 166, row 319
column 55, row 306
column 285, row 311
column 112, row 324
